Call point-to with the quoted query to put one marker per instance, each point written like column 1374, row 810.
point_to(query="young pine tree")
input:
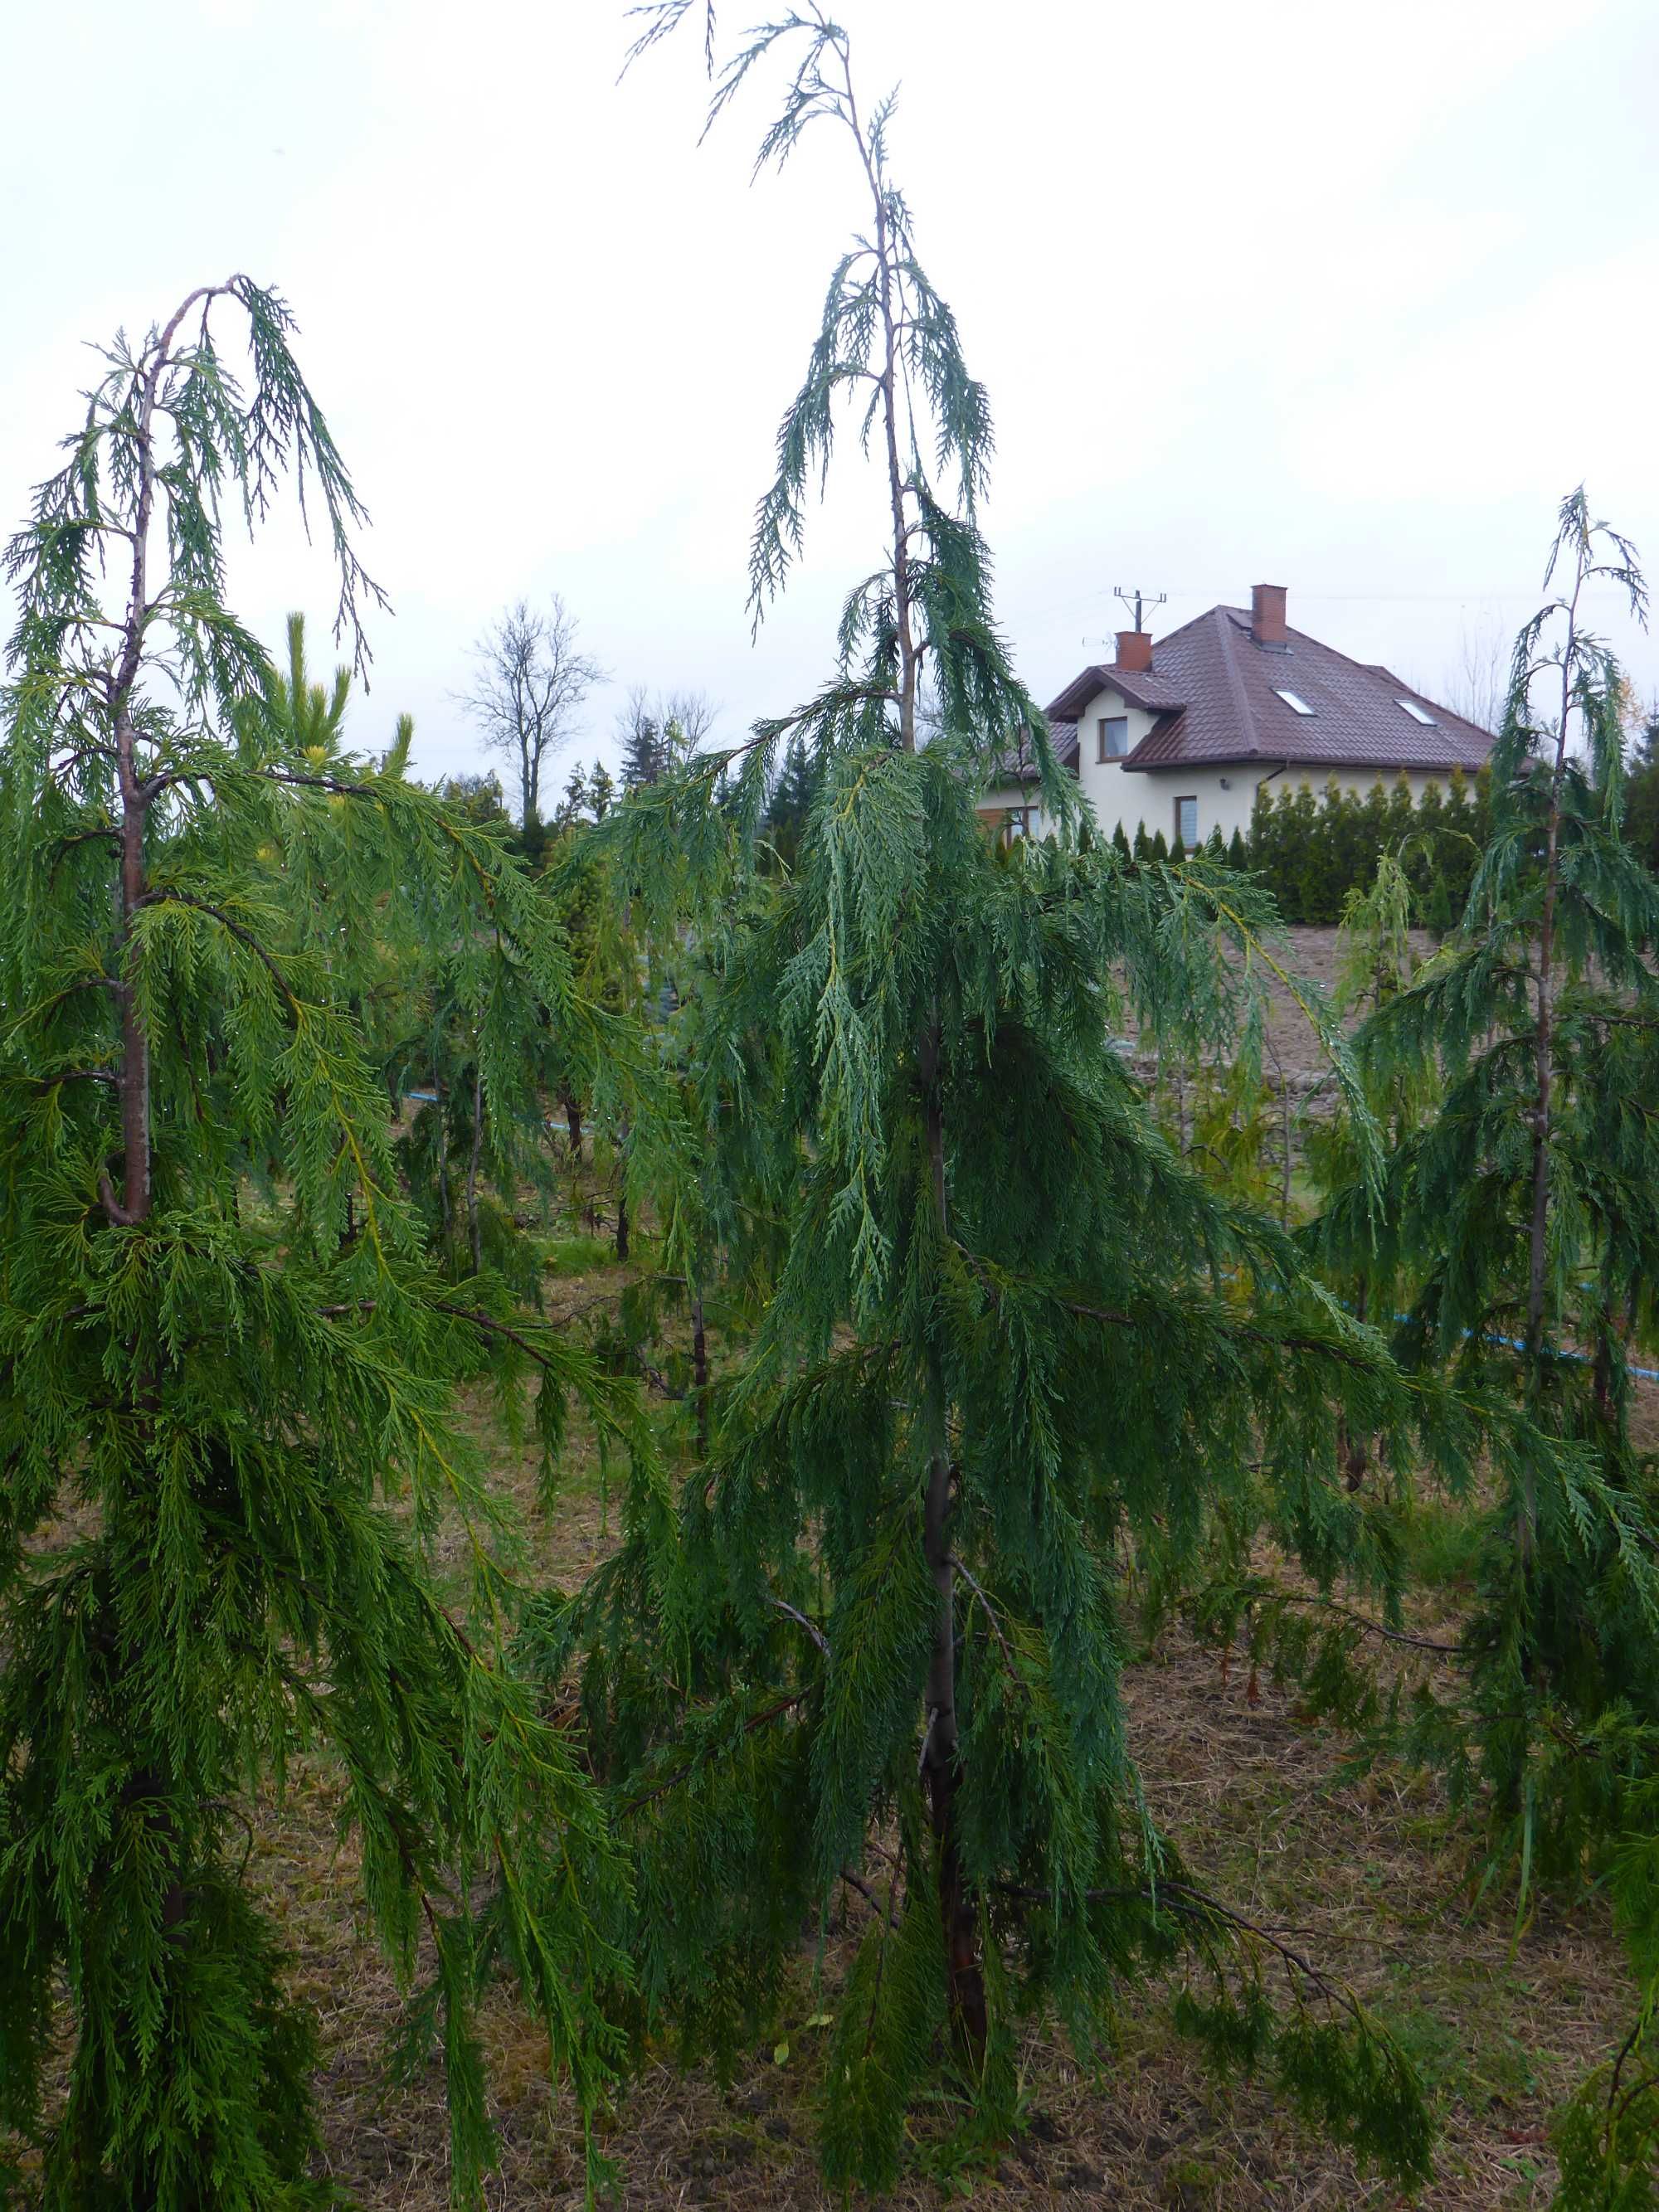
column 223, row 1352
column 875, row 1657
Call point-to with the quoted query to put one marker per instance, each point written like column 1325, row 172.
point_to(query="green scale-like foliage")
column 1016, row 1349
column 1126, row 1362
column 227, row 1395
column 1519, row 1229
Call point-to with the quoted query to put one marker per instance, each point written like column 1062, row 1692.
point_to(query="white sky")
column 1341, row 298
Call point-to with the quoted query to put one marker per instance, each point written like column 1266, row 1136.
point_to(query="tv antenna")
column 1137, row 601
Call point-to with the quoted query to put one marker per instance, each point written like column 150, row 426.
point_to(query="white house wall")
column 1108, row 786
column 1225, row 794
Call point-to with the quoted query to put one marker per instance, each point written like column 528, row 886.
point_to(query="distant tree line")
column 1642, row 791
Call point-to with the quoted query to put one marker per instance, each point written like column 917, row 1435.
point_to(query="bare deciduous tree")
column 1477, row 685
column 531, row 679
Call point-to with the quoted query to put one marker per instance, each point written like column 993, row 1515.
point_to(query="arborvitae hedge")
column 1311, row 852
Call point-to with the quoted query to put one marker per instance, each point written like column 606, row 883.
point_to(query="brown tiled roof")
column 1215, row 692
column 1150, row 688
column 1020, row 766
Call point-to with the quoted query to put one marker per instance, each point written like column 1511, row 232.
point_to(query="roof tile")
column 1215, row 692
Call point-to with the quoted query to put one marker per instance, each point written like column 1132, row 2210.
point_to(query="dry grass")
column 1372, row 1876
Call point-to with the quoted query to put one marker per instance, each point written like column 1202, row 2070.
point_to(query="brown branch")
column 990, row 1614
column 1197, row 1904
column 328, row 783
column 1112, row 1317
column 166, row 896
column 488, row 1323
column 857, row 1882
column 124, row 1217
column 810, row 1626
column 684, row 1773
column 83, row 837
column 1371, row 1627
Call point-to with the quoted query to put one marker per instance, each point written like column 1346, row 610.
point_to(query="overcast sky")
column 1336, row 297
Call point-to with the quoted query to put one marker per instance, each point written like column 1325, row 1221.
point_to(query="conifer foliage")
column 1520, row 1218
column 223, row 1347
column 1521, row 1214
column 873, row 1664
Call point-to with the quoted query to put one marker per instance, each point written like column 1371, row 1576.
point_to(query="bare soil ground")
column 1370, row 1876
column 1310, row 954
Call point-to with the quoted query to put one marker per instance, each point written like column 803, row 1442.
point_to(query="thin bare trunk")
column 1354, row 1451
column 940, row 1751
column 622, row 1193
column 909, row 653
column 941, row 1759
column 1545, row 1028
column 1605, row 1396
column 149, row 1783
column 699, row 1376
column 474, row 1227
column 135, row 794
column 441, row 1141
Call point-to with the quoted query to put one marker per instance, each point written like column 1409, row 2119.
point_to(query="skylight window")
column 1417, row 713
column 1294, row 700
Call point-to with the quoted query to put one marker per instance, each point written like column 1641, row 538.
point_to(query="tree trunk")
column 941, row 1746
column 573, row 1122
column 1608, row 1411
column 940, row 1762
column 474, row 1227
column 442, row 1146
column 699, row 1376
column 622, row 1193
column 1538, row 1255
column 1354, row 1452
column 135, row 1044
column 146, row 1783
column 910, row 655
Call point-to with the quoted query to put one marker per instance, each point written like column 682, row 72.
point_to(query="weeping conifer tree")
column 871, row 1663
column 1522, row 1215
column 1523, row 1219
column 223, row 1351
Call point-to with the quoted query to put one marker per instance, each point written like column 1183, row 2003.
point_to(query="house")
column 1181, row 733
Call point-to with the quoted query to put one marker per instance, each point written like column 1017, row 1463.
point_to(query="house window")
column 1417, row 713
column 1112, row 734
column 1019, row 822
column 1294, row 701
column 1186, row 822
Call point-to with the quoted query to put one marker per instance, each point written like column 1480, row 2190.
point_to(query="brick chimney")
column 1267, row 614
column 1134, row 651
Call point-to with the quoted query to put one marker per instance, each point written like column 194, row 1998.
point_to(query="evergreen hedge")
column 1312, row 853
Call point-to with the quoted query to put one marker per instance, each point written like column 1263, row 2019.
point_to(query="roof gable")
column 1153, row 691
